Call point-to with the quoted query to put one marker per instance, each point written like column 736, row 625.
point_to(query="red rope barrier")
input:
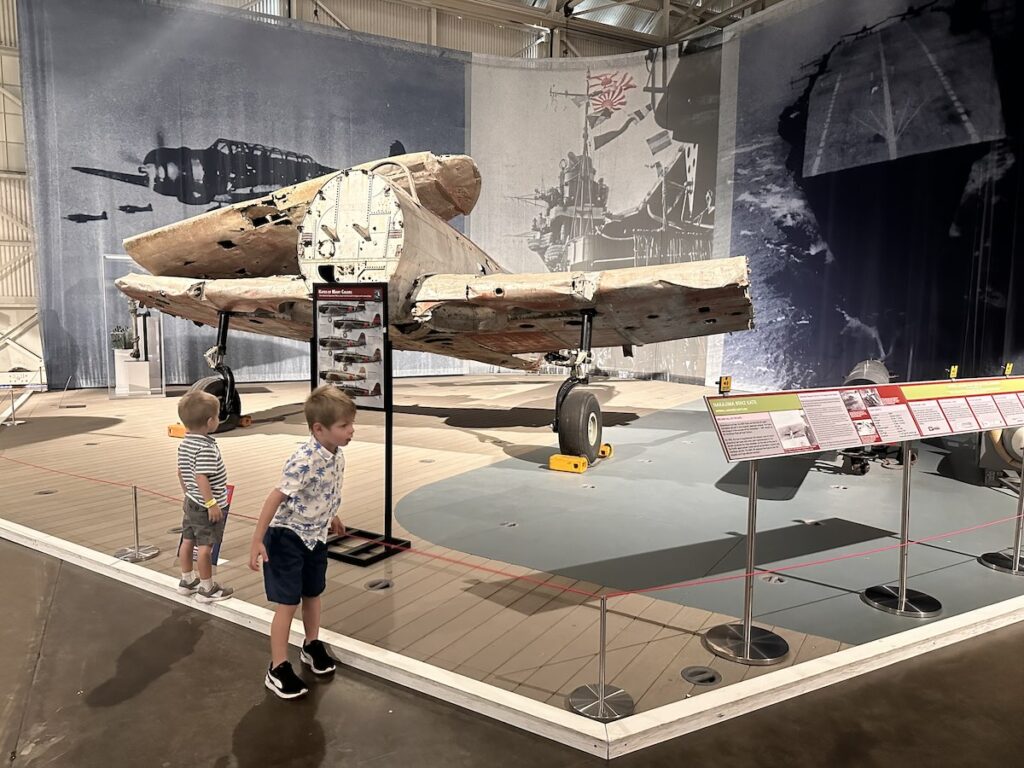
column 386, row 545
column 572, row 590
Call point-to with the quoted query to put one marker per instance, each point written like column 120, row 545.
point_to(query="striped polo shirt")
column 199, row 455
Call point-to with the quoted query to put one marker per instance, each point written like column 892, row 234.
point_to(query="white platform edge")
column 671, row 720
column 613, row 740
column 510, row 708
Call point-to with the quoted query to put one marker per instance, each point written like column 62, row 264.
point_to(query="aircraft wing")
column 257, row 238
column 274, row 306
column 501, row 315
column 498, row 319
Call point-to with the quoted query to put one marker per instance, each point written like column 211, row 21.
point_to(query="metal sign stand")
column 899, row 599
column 357, row 546
column 744, row 642
column 1009, row 562
column 600, row 701
column 138, row 552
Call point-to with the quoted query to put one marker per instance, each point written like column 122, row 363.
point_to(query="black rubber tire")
column 579, row 425
column 229, row 412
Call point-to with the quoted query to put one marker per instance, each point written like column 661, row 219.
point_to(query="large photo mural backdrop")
column 876, row 189
column 595, row 164
column 142, row 114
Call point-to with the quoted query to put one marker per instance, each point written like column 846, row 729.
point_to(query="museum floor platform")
column 99, row 674
column 509, row 558
column 69, row 474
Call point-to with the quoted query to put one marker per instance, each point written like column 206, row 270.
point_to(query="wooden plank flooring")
column 537, row 637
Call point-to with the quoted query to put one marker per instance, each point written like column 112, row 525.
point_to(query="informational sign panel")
column 806, row 421
column 350, row 320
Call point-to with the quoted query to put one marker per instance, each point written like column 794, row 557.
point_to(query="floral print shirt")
column 312, row 482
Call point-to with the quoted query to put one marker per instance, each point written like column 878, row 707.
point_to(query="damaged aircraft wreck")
column 251, row 267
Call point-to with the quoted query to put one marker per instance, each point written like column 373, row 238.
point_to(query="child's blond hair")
column 327, row 405
column 197, row 408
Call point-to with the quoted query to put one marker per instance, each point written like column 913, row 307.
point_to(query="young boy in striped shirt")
column 204, row 481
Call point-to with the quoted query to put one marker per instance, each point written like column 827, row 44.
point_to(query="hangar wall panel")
column 17, row 272
column 89, row 144
column 8, row 23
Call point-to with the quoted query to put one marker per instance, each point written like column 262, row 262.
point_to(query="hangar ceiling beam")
column 508, row 13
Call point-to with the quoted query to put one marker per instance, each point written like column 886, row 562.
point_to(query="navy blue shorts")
column 292, row 570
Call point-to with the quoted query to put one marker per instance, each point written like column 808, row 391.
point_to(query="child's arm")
column 204, row 488
column 274, row 500
column 181, row 482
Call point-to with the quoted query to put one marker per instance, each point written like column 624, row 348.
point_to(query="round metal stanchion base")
column 1002, row 561
column 726, row 640
column 918, row 605
column 11, row 423
column 586, row 701
column 131, row 555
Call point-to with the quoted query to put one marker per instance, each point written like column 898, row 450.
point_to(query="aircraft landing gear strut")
column 577, row 412
column 222, row 385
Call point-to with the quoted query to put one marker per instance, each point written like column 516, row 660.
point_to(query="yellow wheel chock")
column 560, row 462
column 176, row 430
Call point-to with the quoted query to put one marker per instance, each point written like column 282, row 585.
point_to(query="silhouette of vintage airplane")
column 352, row 324
column 342, row 342
column 356, row 357
column 336, row 376
column 336, row 310
column 360, row 391
column 251, row 267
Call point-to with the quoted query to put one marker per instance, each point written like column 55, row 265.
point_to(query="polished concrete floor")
column 95, row 673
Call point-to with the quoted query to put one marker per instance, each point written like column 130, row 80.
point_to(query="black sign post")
column 351, row 350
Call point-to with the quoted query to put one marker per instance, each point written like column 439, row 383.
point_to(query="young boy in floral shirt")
column 291, row 536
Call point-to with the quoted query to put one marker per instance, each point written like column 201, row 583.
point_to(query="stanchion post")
column 138, row 552
column 601, row 702
column 900, row 599
column 905, row 525
column 744, row 642
column 1010, row 563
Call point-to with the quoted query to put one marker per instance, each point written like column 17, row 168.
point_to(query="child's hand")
column 337, row 527
column 255, row 553
column 216, row 514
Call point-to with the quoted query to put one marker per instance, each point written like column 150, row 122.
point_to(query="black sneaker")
column 283, row 681
column 315, row 655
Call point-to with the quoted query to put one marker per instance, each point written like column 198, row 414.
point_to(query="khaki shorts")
column 196, row 525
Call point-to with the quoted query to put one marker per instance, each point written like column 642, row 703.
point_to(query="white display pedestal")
column 131, row 377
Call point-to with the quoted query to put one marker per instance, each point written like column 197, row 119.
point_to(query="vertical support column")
column 900, row 599
column 744, row 642
column 388, row 431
